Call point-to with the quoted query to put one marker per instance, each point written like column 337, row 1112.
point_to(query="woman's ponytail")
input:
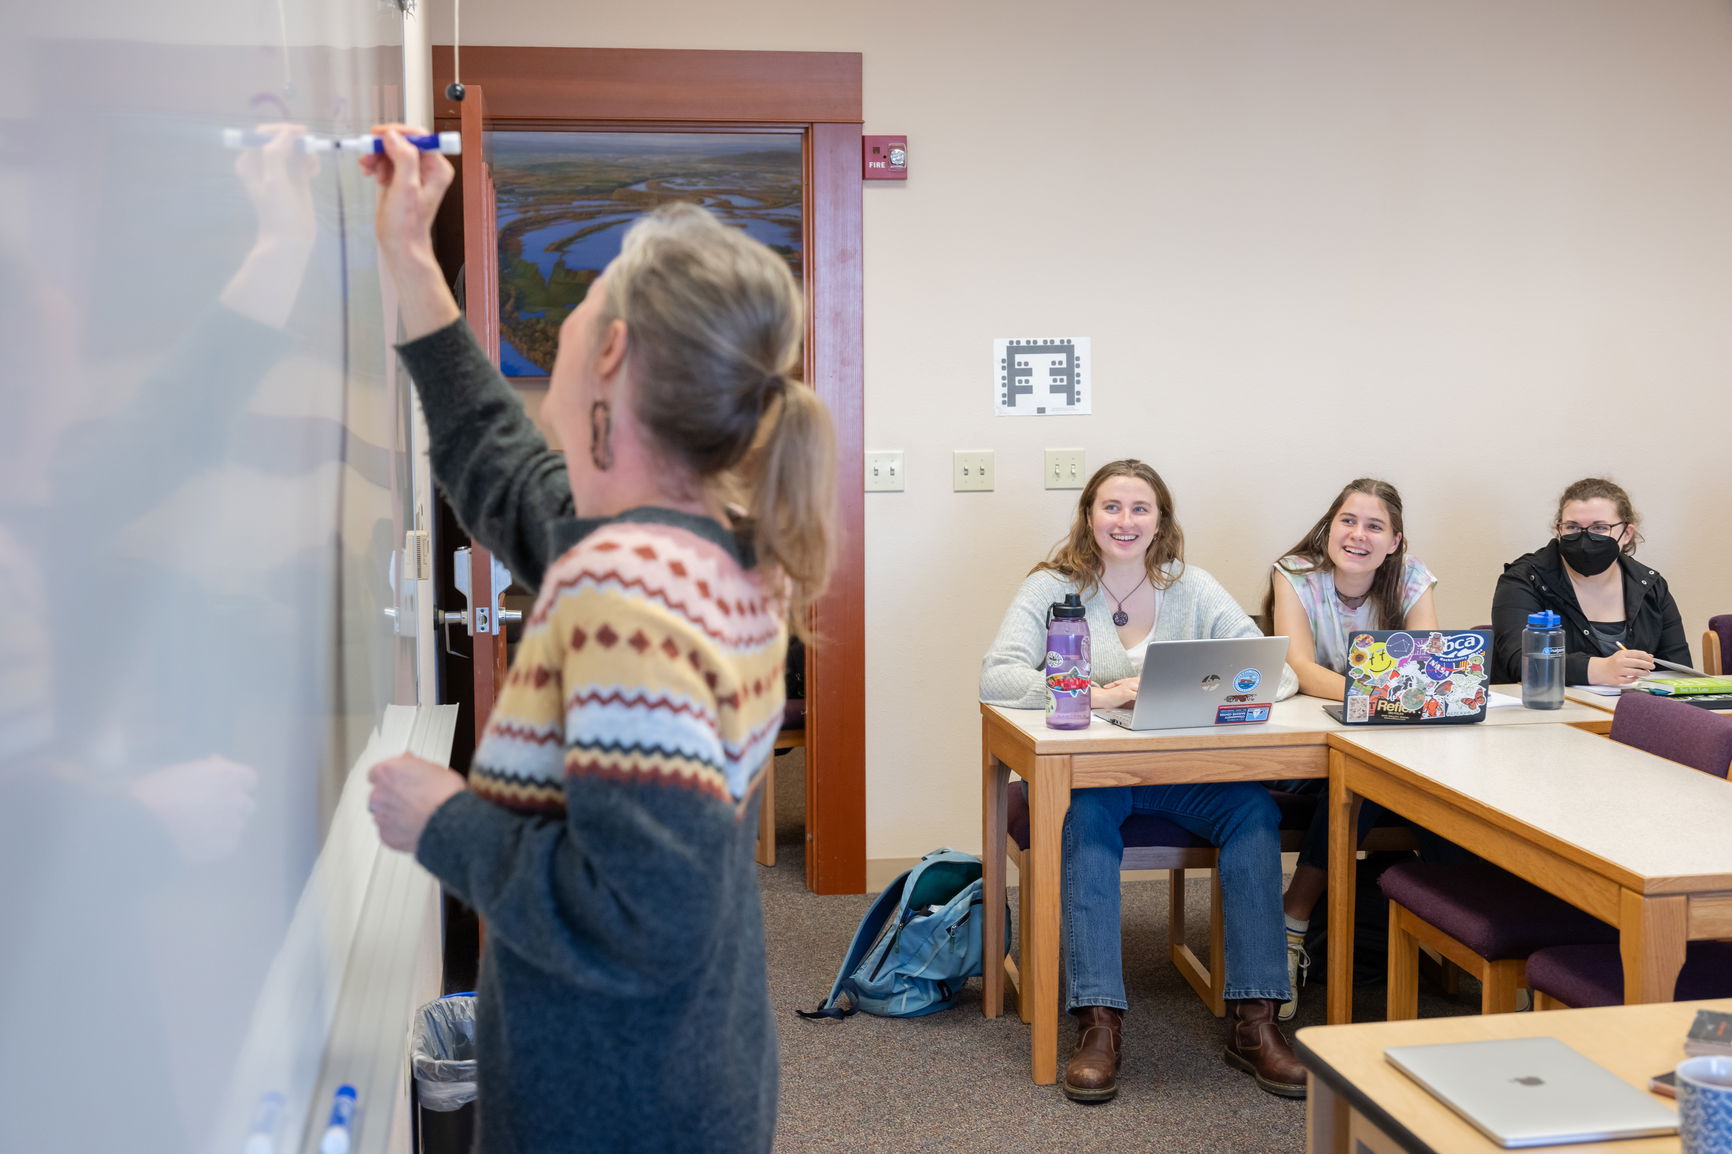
column 791, row 490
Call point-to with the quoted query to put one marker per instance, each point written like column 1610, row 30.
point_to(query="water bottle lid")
column 1071, row 606
column 1544, row 619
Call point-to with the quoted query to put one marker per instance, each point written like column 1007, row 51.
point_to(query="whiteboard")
column 203, row 500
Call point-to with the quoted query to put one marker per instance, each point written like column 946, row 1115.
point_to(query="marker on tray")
column 449, row 143
column 338, row 1129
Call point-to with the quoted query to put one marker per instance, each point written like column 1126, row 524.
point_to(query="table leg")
column 1326, row 1119
column 1652, row 936
column 994, row 776
column 1343, row 824
column 1048, row 802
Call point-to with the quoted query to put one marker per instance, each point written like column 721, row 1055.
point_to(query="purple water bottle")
column 1067, row 665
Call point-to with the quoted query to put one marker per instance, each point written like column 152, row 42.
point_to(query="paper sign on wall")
column 1041, row 376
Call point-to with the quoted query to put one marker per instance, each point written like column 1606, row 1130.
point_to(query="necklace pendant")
column 1121, row 619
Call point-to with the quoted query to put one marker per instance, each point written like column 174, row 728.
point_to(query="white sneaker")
column 1298, row 965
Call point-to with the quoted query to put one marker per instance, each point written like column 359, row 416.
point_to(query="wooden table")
column 1360, row 1102
column 1292, row 744
column 1635, row 840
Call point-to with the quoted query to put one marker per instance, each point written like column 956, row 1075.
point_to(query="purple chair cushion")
column 1585, row 975
column 1722, row 624
column 1490, row 911
column 1139, row 829
column 1698, row 738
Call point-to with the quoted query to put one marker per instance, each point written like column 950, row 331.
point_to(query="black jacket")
column 1538, row 581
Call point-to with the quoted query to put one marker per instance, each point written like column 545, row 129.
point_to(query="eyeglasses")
column 1600, row 528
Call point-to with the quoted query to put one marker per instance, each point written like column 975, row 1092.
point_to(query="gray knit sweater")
column 1195, row 606
column 623, row 1003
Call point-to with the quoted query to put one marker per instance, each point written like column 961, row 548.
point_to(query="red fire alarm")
column 884, row 158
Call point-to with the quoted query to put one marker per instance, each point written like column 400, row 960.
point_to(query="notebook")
column 1533, row 1091
column 1415, row 677
column 1219, row 681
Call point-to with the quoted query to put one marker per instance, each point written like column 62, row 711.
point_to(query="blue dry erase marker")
column 337, row 1131
column 449, row 143
column 262, row 1136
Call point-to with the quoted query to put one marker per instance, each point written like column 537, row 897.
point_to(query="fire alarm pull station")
column 884, row 157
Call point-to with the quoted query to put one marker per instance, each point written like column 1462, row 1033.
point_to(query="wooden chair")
column 1493, row 924
column 1154, row 843
column 793, row 736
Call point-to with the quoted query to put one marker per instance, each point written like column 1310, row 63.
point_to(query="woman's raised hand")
column 412, row 182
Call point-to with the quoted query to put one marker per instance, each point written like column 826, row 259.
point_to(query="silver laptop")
column 1187, row 684
column 1533, row 1091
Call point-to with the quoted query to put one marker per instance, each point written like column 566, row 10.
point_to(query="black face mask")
column 1588, row 553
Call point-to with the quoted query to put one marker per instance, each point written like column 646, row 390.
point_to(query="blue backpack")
column 917, row 945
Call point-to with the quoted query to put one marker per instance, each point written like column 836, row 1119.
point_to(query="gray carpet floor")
column 955, row 1081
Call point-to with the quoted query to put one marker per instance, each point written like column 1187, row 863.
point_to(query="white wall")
column 1478, row 247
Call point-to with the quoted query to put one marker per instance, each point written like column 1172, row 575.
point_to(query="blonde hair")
column 714, row 323
column 1078, row 556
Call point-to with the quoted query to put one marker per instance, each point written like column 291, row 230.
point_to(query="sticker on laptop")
column 1242, row 714
column 1247, row 680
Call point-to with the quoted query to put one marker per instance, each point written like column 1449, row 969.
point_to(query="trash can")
column 442, row 1060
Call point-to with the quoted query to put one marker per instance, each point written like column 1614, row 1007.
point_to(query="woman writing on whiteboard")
column 1351, row 571
column 1125, row 557
column 606, row 829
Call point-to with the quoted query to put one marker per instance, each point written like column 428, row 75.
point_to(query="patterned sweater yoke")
column 650, row 656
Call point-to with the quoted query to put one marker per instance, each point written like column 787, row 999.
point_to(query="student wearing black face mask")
column 1618, row 614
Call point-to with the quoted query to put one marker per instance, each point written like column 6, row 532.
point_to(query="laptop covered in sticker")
column 1416, row 677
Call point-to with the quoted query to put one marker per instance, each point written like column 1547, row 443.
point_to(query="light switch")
column 884, row 471
column 1064, row 469
column 972, row 470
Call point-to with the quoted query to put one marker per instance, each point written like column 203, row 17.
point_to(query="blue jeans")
column 1240, row 818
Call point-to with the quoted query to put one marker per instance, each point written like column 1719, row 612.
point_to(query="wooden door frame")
column 818, row 93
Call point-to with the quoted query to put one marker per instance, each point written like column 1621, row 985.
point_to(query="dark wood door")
column 817, row 93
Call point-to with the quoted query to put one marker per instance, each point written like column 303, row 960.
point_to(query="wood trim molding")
column 647, row 84
column 819, row 94
column 836, row 685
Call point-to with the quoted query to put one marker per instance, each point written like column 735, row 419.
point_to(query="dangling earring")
column 601, row 435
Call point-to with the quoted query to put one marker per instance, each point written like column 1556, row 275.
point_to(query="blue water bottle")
column 1543, row 661
column 1067, row 665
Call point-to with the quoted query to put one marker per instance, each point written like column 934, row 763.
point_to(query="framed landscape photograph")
column 565, row 200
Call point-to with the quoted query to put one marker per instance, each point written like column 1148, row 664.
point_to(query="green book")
column 1685, row 686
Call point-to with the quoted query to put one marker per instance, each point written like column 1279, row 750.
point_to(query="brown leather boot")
column 1255, row 1045
column 1093, row 1072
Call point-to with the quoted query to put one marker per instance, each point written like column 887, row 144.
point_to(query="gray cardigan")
column 1195, row 606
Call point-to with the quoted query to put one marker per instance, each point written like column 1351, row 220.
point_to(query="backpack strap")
column 870, row 927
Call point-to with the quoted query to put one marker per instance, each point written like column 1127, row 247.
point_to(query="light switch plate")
column 884, row 471
column 972, row 470
column 1064, row 469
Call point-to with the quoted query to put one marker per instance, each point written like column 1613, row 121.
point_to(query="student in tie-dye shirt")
column 1350, row 572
